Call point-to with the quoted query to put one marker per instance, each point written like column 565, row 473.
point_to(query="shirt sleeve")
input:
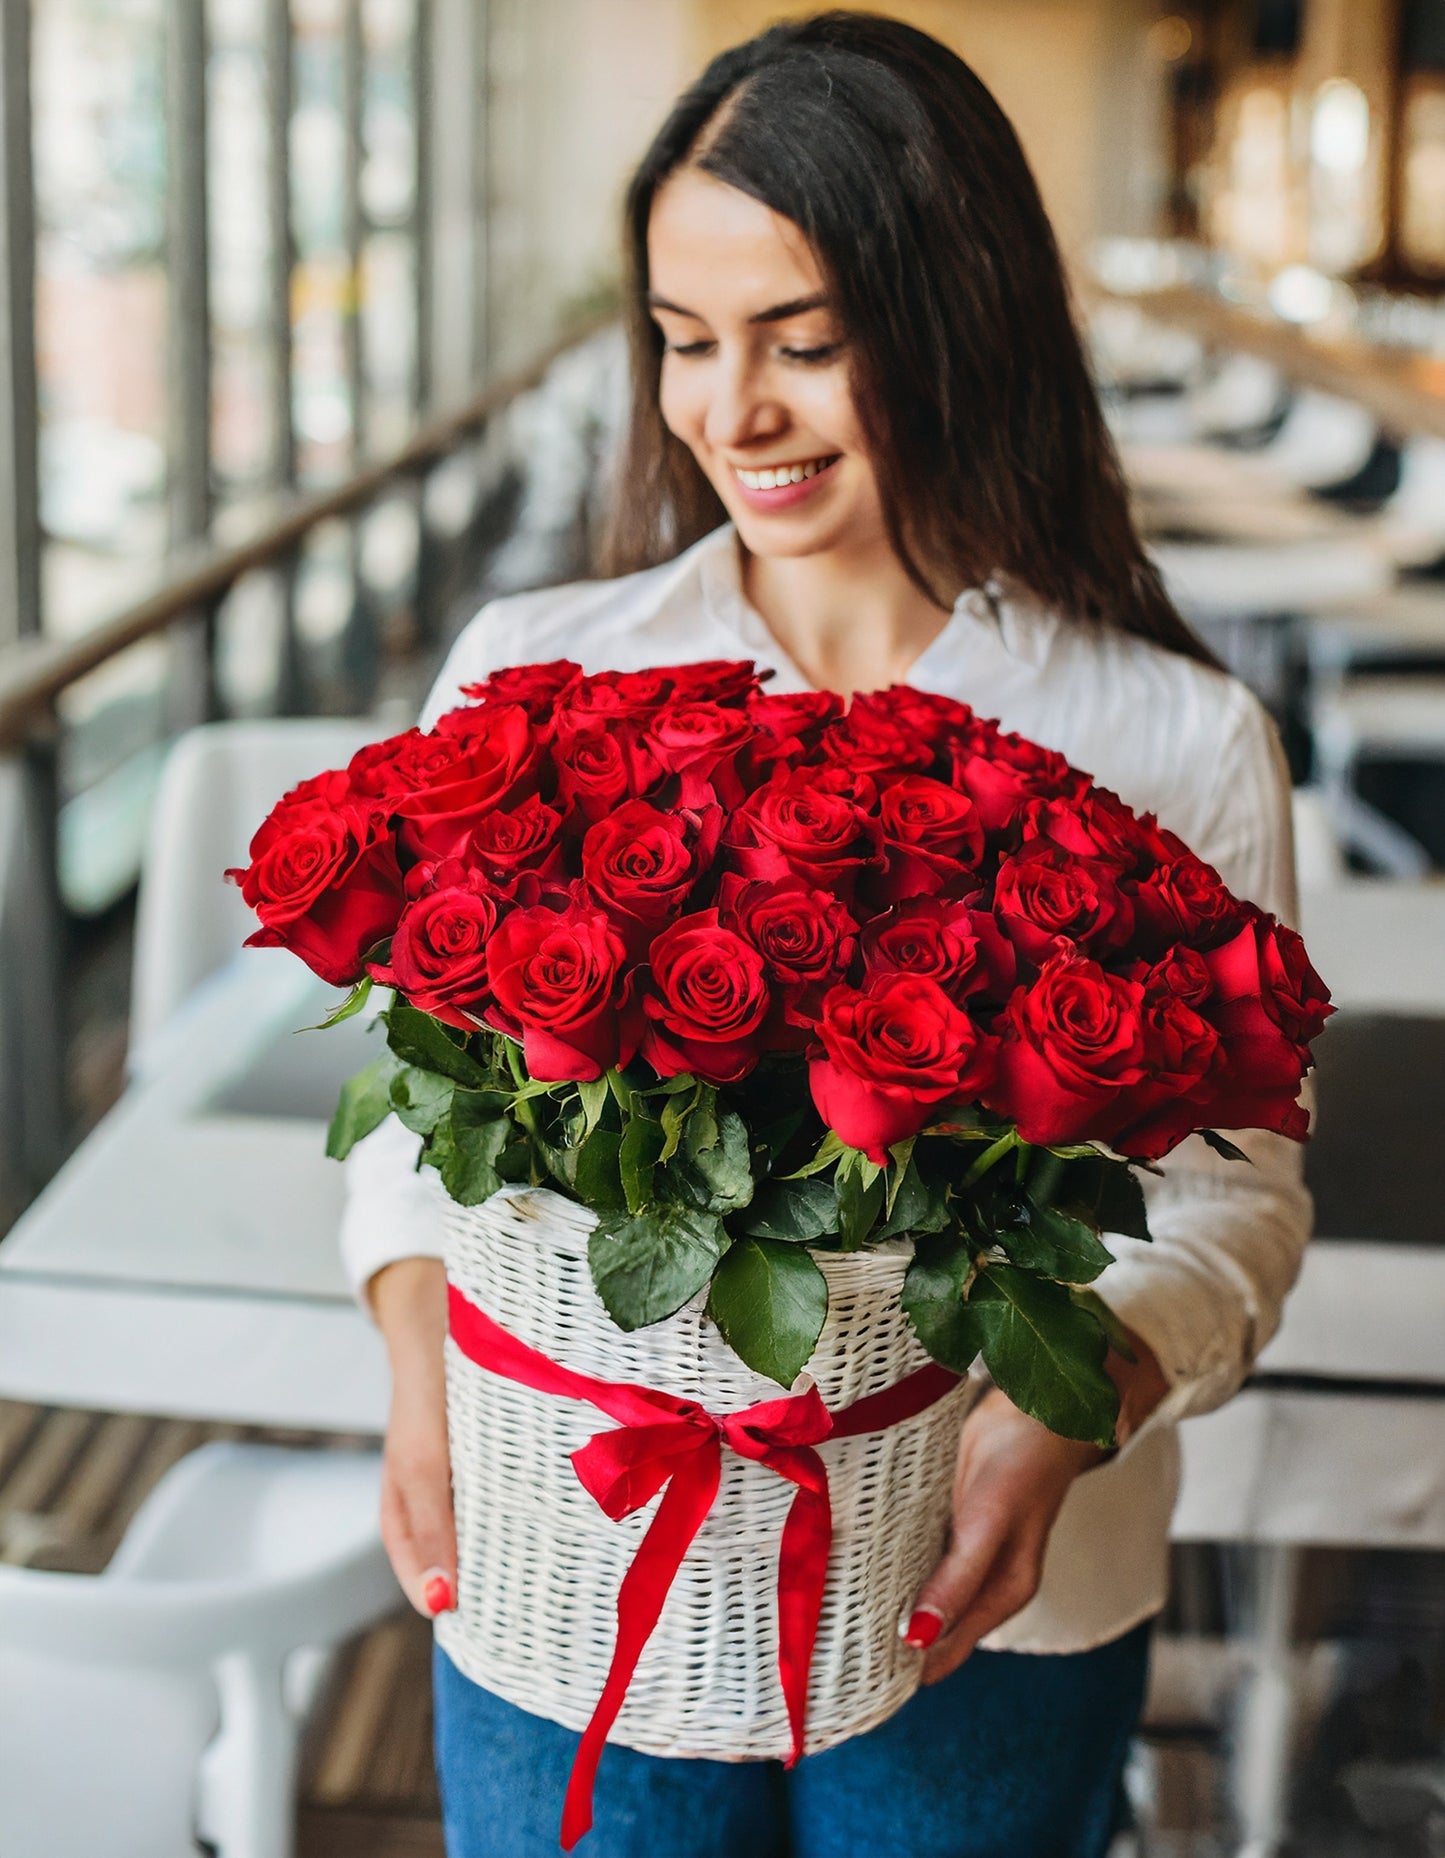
column 393, row 1209
column 1229, row 1236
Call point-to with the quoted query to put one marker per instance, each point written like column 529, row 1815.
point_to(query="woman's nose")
column 739, row 411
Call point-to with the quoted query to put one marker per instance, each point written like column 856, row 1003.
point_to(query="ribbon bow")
column 663, row 1443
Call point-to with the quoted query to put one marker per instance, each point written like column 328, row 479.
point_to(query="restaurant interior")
column 310, row 346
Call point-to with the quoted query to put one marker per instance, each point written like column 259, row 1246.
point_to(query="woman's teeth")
column 783, row 474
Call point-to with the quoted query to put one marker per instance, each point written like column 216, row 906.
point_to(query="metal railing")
column 435, row 71
column 35, row 674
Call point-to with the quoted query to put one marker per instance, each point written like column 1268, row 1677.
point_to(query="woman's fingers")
column 418, row 1526
column 1010, row 1583
column 956, row 1582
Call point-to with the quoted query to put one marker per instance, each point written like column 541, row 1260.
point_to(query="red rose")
column 871, row 739
column 494, row 764
column 558, row 985
column 923, row 715
column 931, row 835
column 1098, row 826
column 714, row 680
column 1268, row 1003
column 386, row 770
column 706, row 1002
column 537, row 687
column 1042, row 894
column 952, row 943
column 787, row 728
column 896, row 1048
column 1182, row 972
column 1185, row 900
column 438, row 957
column 526, row 838
column 613, row 696
column 599, row 768
column 805, row 937
column 1001, row 778
column 324, row 881
column 701, row 744
column 1180, row 1049
column 800, row 826
column 1074, row 1045
column 639, row 864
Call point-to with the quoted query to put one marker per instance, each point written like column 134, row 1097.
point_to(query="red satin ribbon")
column 675, row 1446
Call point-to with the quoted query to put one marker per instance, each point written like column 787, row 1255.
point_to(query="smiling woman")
column 864, row 448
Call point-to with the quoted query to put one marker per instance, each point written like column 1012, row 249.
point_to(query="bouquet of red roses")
column 754, row 975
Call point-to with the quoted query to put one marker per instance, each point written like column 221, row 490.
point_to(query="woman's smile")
column 783, row 486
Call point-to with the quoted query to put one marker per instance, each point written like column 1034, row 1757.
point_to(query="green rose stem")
column 994, row 1152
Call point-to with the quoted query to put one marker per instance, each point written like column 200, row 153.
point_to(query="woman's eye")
column 686, row 348
column 823, row 353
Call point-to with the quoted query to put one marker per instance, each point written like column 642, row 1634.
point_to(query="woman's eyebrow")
column 780, row 312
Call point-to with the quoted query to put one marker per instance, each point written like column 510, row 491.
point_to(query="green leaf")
column 344, row 1009
column 599, row 1172
column 830, row 1149
column 647, row 1265
column 1120, row 1203
column 469, row 1159
column 793, row 1212
column 770, row 1301
column 364, row 1104
column 1046, row 1353
column 418, row 1039
column 420, row 1098
column 637, row 1157
column 773, row 1136
column 1045, row 1239
column 1223, row 1146
column 902, row 1155
column 919, row 1205
column 934, row 1289
column 860, row 1200
column 674, row 1120
column 725, row 1167
column 594, row 1097
column 1114, row 1330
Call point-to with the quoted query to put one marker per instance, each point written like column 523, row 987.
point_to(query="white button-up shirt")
column 1172, row 737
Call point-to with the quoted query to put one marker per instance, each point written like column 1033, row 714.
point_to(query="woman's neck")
column 848, row 623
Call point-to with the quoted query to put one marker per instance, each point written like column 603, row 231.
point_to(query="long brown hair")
column 974, row 397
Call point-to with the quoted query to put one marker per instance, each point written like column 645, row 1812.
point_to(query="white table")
column 184, row 1260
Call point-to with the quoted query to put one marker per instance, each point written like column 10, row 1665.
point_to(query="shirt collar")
column 1002, row 616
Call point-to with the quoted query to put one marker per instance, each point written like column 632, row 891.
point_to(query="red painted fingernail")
column 438, row 1594
column 923, row 1628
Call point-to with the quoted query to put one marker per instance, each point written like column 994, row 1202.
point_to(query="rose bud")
column 706, row 1001
column 952, row 943
column 494, row 764
column 324, row 881
column 639, row 864
column 931, row 838
column 1073, row 1049
column 896, row 1049
column 1042, row 894
column 438, row 959
column 559, row 986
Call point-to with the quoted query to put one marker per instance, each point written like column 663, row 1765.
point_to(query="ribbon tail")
column 640, row 1599
column 802, row 1575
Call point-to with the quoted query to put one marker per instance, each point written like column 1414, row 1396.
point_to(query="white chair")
column 162, row 1701
column 1321, row 441
column 1377, row 719
column 219, row 783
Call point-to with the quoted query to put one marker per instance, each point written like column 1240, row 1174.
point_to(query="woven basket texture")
column 540, row 1565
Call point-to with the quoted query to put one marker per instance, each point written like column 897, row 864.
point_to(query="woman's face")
column 756, row 370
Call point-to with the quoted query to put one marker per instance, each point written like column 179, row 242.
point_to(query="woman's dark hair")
column 970, row 382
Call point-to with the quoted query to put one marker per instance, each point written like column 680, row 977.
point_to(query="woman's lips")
column 784, row 496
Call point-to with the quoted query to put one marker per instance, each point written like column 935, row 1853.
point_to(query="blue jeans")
column 1015, row 1756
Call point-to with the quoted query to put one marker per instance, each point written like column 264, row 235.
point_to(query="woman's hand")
column 1013, row 1475
column 417, row 1523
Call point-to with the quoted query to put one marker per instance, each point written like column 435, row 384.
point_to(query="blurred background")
column 306, row 349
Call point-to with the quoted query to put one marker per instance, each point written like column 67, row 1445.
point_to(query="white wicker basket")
column 540, row 1565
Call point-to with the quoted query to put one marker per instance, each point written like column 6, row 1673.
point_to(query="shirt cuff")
column 393, row 1208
